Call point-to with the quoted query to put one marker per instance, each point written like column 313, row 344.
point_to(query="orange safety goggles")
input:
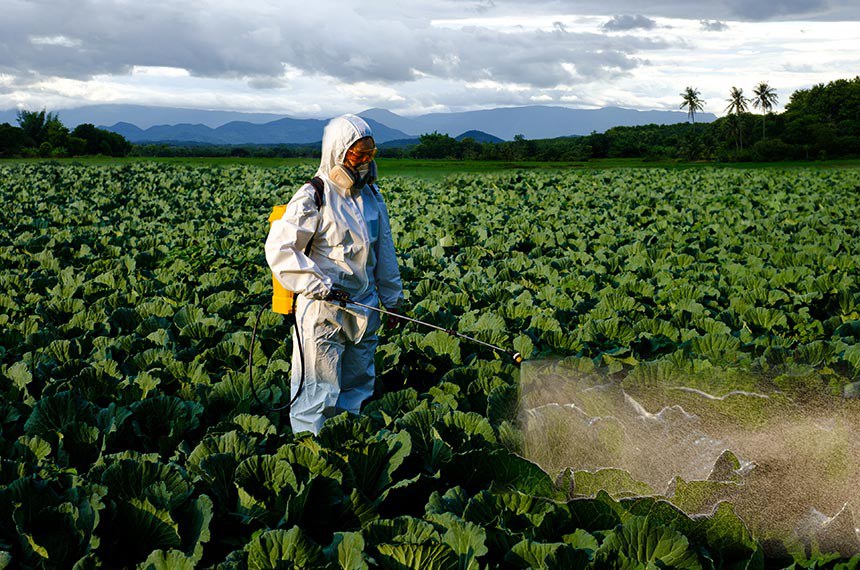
column 359, row 156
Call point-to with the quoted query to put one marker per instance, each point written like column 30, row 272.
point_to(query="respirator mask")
column 350, row 177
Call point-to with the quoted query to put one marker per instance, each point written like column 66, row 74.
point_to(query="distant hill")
column 145, row 116
column 393, row 120
column 479, row 136
column 281, row 131
column 533, row 121
column 542, row 122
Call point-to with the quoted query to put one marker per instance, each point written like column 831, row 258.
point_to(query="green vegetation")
column 439, row 169
column 41, row 134
column 251, row 152
column 129, row 436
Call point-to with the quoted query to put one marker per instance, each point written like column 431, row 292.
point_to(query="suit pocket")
column 373, row 229
column 338, row 252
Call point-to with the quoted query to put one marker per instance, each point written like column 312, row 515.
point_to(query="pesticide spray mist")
column 789, row 465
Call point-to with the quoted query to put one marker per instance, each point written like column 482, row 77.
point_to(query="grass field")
column 433, row 169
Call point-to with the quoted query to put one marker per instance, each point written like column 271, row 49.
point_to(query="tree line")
column 818, row 123
column 42, row 134
column 173, row 150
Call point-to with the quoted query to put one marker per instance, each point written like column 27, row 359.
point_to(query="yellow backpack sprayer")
column 284, row 302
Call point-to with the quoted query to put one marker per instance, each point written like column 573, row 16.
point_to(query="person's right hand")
column 338, row 296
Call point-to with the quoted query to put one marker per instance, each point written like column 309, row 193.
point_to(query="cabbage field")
column 130, row 438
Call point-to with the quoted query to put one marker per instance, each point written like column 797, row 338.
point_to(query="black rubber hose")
column 251, row 365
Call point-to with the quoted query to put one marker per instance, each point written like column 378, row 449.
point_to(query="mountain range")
column 143, row 124
column 147, row 116
column 280, row 131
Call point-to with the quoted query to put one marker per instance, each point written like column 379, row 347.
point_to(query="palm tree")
column 692, row 102
column 765, row 98
column 737, row 104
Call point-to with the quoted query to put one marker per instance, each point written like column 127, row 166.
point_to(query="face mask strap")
column 371, row 173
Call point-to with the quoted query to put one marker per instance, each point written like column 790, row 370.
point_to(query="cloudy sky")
column 320, row 58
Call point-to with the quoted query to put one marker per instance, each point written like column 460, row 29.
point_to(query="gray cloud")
column 266, row 83
column 713, row 25
column 544, row 59
column 110, row 39
column 774, row 9
column 393, row 54
column 750, row 10
column 626, row 22
column 799, row 68
column 254, row 42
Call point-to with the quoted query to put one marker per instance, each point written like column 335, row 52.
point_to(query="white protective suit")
column 352, row 250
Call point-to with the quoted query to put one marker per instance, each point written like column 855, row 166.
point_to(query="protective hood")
column 340, row 133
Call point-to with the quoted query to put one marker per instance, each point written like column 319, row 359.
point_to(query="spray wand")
column 516, row 356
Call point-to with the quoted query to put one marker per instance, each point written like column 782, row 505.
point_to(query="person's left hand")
column 392, row 322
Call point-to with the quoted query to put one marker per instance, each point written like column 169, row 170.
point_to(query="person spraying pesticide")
column 333, row 249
